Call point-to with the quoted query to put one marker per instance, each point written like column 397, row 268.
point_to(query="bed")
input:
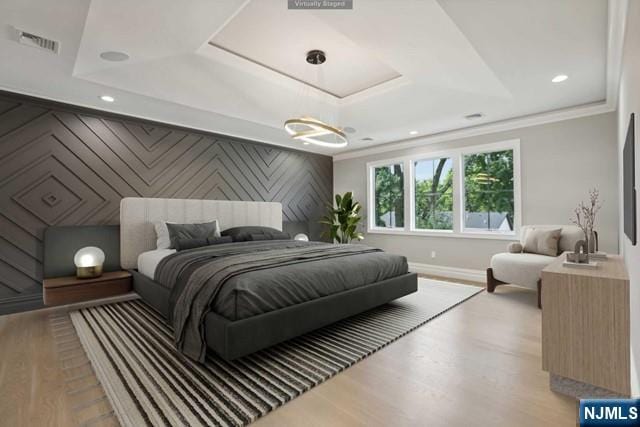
column 270, row 291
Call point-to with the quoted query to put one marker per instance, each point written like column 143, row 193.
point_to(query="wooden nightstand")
column 66, row 290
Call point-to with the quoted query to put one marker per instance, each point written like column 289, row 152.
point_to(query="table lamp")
column 88, row 261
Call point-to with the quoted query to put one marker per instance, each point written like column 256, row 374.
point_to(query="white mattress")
column 148, row 261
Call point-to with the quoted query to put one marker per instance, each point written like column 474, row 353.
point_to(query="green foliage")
column 389, row 192
column 434, row 199
column 488, row 180
column 342, row 220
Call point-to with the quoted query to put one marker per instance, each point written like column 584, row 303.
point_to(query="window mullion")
column 458, row 193
column 408, row 194
column 371, row 196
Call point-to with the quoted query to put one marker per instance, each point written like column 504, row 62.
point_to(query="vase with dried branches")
column 585, row 218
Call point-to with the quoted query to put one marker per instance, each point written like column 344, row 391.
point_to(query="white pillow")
column 162, row 232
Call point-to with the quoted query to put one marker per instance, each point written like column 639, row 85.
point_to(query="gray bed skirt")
column 233, row 339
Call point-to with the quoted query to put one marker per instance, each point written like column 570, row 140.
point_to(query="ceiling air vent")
column 39, row 42
column 474, row 116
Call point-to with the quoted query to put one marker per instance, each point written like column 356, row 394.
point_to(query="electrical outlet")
column 433, row 254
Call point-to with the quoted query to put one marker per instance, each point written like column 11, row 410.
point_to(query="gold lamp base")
column 88, row 272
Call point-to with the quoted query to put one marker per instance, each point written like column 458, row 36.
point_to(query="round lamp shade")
column 89, row 262
column 302, row 237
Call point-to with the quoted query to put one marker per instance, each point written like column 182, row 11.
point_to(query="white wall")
column 560, row 162
column 629, row 102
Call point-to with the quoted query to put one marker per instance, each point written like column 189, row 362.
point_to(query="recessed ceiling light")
column 413, row 132
column 559, row 78
column 306, row 143
column 114, row 56
column 107, row 98
column 474, row 116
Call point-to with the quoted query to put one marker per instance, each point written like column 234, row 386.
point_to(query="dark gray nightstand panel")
column 61, row 244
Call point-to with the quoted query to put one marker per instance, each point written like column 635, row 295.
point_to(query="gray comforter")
column 196, row 277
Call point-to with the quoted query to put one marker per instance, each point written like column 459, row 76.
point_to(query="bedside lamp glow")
column 301, row 237
column 89, row 262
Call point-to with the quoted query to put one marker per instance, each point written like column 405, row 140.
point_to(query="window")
column 389, row 196
column 488, row 191
column 466, row 192
column 433, row 184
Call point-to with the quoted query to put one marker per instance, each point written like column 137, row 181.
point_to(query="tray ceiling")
column 237, row 66
column 349, row 68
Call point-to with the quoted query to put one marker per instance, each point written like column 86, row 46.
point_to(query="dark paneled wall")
column 60, row 165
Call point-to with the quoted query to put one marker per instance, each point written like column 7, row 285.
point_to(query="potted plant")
column 343, row 219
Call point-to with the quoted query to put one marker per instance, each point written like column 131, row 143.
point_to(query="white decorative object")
column 598, row 255
column 89, row 261
column 301, row 237
column 587, row 265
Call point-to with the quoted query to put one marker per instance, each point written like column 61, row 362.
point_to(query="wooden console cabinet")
column 585, row 324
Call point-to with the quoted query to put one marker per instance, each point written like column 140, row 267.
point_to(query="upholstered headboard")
column 138, row 215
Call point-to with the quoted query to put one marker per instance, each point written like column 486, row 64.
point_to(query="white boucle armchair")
column 525, row 269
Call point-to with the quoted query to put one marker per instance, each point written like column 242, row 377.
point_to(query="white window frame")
column 457, row 157
column 412, row 202
column 371, row 201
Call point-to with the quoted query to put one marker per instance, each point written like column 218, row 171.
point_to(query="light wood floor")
column 478, row 364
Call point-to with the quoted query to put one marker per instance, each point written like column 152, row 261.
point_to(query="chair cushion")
column 520, row 269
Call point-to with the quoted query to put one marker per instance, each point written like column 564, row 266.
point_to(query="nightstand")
column 66, row 290
column 585, row 328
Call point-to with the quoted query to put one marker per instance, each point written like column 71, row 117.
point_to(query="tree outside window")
column 488, row 191
column 434, row 194
column 389, row 196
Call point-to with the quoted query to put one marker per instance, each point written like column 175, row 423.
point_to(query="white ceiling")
column 395, row 65
column 351, row 68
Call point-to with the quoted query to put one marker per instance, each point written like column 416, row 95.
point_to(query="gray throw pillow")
column 276, row 235
column 244, row 234
column 204, row 230
column 542, row 241
column 184, row 244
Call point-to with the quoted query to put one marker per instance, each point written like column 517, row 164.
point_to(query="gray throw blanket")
column 196, row 277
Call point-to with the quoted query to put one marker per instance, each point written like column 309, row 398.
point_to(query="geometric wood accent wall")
column 60, row 165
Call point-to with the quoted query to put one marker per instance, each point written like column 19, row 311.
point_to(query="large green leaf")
column 342, row 219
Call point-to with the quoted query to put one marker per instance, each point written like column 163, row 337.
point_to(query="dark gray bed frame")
column 229, row 339
column 233, row 339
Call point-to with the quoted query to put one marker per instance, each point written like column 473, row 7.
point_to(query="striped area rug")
column 149, row 383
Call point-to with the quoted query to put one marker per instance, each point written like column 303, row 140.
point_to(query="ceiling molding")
column 33, row 95
column 495, row 127
column 617, row 18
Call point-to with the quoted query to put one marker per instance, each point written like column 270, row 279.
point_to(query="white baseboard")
column 449, row 272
